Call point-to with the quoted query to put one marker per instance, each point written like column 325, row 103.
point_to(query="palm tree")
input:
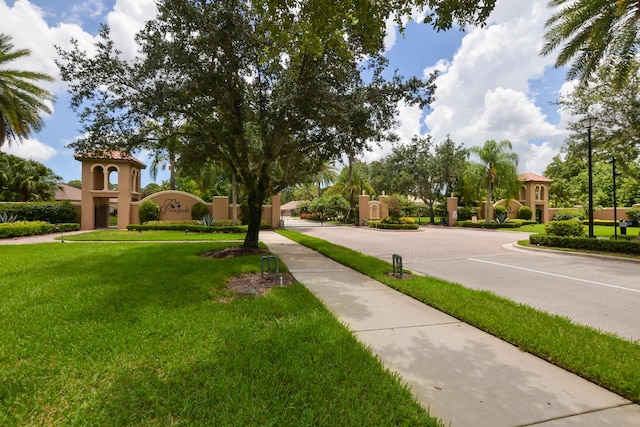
column 31, row 180
column 593, row 32
column 353, row 179
column 21, row 101
column 499, row 168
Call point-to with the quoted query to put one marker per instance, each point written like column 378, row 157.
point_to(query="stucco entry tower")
column 107, row 177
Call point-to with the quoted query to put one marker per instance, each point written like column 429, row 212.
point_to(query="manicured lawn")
column 607, row 360
column 152, row 235
column 145, row 334
column 598, row 230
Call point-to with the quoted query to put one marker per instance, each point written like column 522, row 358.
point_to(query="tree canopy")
column 591, row 33
column 26, row 180
column 22, row 101
column 272, row 90
column 498, row 169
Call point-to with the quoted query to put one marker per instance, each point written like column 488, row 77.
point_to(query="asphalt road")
column 594, row 291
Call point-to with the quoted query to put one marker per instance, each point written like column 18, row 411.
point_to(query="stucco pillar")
column 363, row 208
column 220, row 207
column 276, row 203
column 452, row 210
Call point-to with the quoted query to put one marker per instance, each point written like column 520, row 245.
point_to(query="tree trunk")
column 487, row 210
column 254, row 212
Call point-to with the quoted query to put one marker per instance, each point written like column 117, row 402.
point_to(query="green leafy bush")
column 465, row 213
column 487, row 225
column 393, row 225
column 199, row 210
column 634, row 215
column 221, row 226
column 31, row 228
column 148, row 211
column 525, row 213
column 572, row 227
column 569, row 214
column 622, row 246
column 53, row 212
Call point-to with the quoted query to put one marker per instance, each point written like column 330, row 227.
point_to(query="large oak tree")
column 272, row 90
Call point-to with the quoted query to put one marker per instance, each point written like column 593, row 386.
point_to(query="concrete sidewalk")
column 463, row 375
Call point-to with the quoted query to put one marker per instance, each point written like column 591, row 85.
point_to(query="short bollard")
column 267, row 259
column 397, row 265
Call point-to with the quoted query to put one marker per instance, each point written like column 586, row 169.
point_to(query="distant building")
column 68, row 193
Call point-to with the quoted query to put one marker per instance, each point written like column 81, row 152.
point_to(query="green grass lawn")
column 151, row 235
column 605, row 359
column 122, row 334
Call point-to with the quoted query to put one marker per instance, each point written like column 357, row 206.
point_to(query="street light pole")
column 588, row 122
column 615, row 200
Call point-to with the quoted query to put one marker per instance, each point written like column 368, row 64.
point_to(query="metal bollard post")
column 268, row 259
column 397, row 265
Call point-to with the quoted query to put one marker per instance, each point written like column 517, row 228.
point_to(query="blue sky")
column 492, row 84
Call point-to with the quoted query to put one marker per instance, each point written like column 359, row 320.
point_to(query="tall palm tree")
column 592, row 32
column 21, row 100
column 499, row 168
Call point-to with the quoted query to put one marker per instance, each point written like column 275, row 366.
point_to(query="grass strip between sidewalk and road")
column 604, row 359
column 148, row 335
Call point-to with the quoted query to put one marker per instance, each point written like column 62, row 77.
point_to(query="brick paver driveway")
column 427, row 244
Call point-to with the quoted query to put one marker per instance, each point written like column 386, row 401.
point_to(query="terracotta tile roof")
column 528, row 177
column 67, row 192
column 109, row 155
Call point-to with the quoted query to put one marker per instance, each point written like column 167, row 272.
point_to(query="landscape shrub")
column 465, row 213
column 525, row 213
column 569, row 214
column 390, row 224
column 634, row 215
column 53, row 212
column 501, row 214
column 199, row 210
column 221, row 226
column 623, row 246
column 31, row 228
column 488, row 225
column 572, row 227
column 148, row 211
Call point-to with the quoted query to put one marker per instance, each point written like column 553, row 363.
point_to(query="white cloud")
column 126, row 20
column 484, row 92
column 30, row 149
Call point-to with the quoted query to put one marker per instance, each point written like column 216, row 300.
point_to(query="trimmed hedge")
column 196, row 228
column 623, row 246
column 525, row 213
column 53, row 212
column 495, row 225
column 148, row 211
column 32, row 228
column 387, row 226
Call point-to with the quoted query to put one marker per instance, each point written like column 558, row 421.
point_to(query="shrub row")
column 493, row 225
column 32, row 228
column 53, row 212
column 391, row 226
column 605, row 245
column 196, row 228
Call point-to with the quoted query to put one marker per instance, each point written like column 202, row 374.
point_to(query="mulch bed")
column 250, row 284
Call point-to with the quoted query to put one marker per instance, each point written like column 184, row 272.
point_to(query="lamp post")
column 589, row 122
column 615, row 200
